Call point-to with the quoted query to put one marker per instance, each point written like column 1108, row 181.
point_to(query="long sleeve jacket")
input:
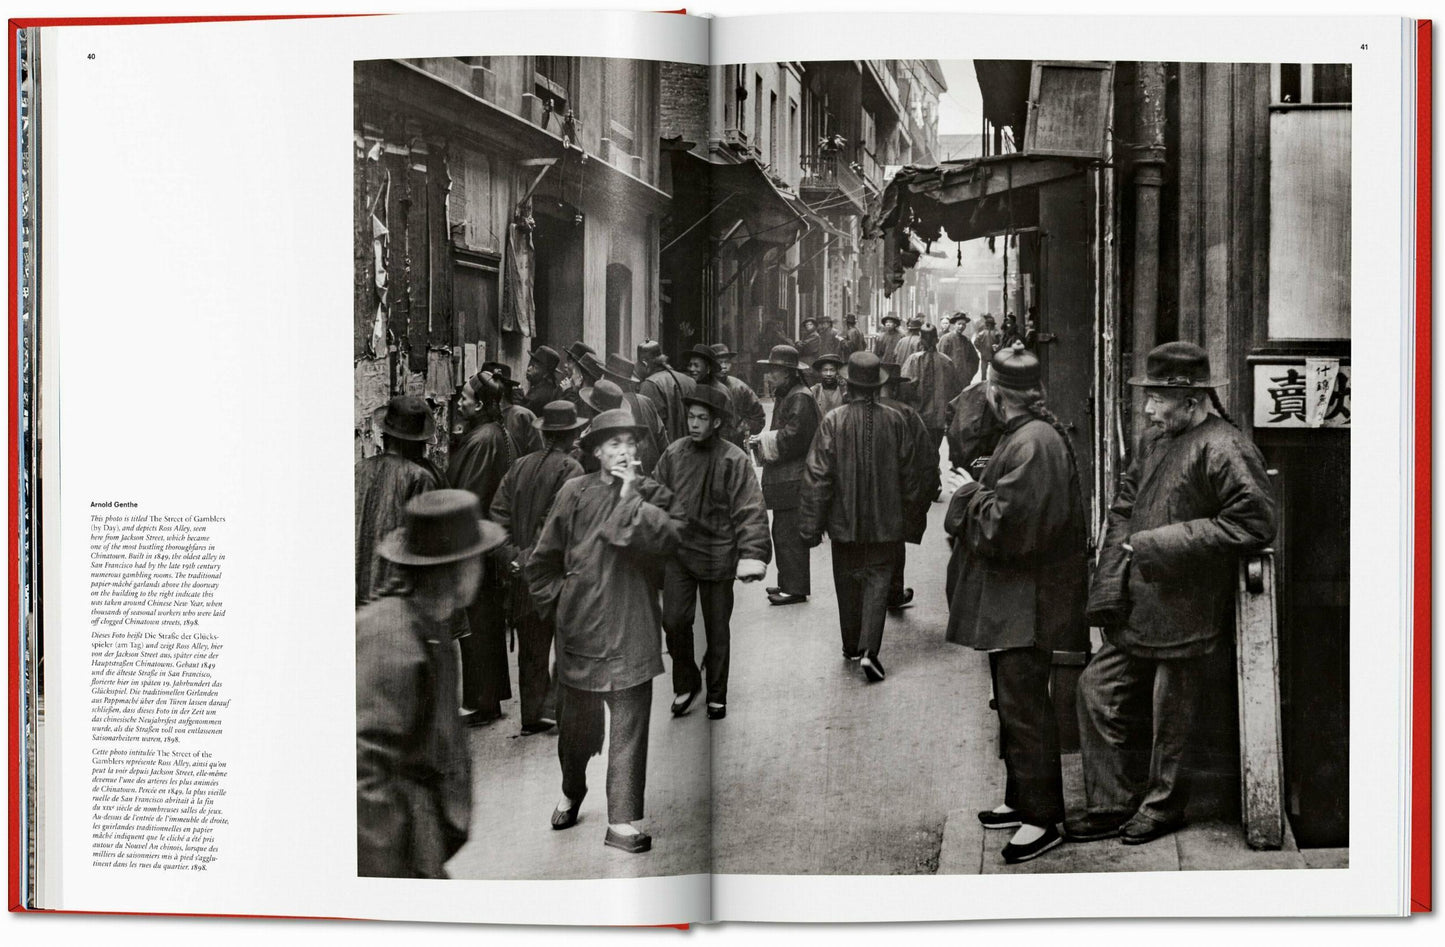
column 885, row 343
column 785, row 445
column 384, row 484
column 1190, row 505
column 929, row 478
column 481, row 460
column 828, row 398
column 748, row 414
column 720, row 495
column 666, row 388
column 938, row 384
column 860, row 477
column 596, row 568
column 1019, row 565
column 960, row 349
column 522, row 503
column 519, row 423
column 541, row 394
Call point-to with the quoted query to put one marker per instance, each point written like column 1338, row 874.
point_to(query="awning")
column 744, row 192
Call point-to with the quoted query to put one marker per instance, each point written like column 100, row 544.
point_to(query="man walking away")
column 782, row 450
column 1195, row 499
column 596, row 569
column 665, row 386
column 859, row 480
column 938, row 383
column 413, row 771
column 748, row 417
column 910, row 343
column 1016, row 590
column 520, row 507
column 916, row 516
column 726, row 538
column 386, row 481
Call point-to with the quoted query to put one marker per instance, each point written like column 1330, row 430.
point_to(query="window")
column 619, row 308
column 773, row 129
column 620, row 81
column 1311, row 83
column 555, row 77
column 757, row 109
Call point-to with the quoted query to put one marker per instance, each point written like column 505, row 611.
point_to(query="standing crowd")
column 587, row 516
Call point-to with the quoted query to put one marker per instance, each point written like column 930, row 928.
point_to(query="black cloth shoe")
column 902, row 601
column 1013, row 854
column 785, row 598
column 481, row 718
column 682, row 702
column 632, row 844
column 540, row 726
column 999, row 820
column 772, row 590
column 566, row 818
column 716, row 711
column 1139, row 830
column 1094, row 826
column 852, row 655
column 872, row 668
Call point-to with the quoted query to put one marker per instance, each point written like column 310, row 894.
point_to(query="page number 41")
column 1364, row 45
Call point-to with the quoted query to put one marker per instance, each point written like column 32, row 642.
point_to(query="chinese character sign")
column 1311, row 393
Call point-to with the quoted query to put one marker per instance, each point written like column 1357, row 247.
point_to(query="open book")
column 785, row 484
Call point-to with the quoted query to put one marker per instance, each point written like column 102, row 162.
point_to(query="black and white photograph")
column 857, row 467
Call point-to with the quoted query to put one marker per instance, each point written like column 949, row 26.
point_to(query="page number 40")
column 90, row 55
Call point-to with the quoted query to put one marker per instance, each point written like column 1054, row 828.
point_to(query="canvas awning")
column 744, row 192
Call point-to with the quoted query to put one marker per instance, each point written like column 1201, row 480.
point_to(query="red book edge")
column 1420, row 750
column 13, row 682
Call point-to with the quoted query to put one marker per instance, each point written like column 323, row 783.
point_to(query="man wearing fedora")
column 829, row 342
column 584, row 371
column 1016, row 583
column 810, row 345
column 520, row 422
column 596, row 569
column 956, row 344
column 542, row 384
column 937, row 381
column 886, row 342
column 852, row 338
column 607, row 395
column 1195, row 499
column 413, row 771
column 521, row 504
column 726, row 538
column 900, row 595
column 985, row 343
column 748, row 418
column 386, row 481
column 478, row 462
column 828, row 392
column 782, row 450
column 859, row 480
column 702, row 368
column 665, row 386
column 910, row 343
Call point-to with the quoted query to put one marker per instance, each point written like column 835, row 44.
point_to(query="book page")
column 1104, row 215
column 260, row 235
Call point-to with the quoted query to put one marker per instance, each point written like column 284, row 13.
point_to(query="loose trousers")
column 1035, row 781
column 486, row 678
column 861, row 573
column 1136, row 718
column 579, row 738
column 895, row 581
column 534, row 669
column 681, row 593
column 792, row 556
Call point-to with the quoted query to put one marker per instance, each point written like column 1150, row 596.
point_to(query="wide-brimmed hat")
column 891, row 318
column 1014, row 366
column 864, row 370
column 826, row 319
column 915, row 323
column 558, row 417
column 577, row 350
column 722, row 351
column 441, row 526
column 610, row 422
column 407, row 418
column 703, row 352
column 958, row 317
column 502, row 372
column 781, row 356
column 1177, row 365
column 710, row 397
column 622, row 369
column 827, row 358
column 603, row 396
column 547, row 356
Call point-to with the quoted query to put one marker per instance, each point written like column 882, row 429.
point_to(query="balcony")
column 827, row 178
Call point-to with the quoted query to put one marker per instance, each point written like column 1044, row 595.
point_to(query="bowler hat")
column 547, row 356
column 809, row 320
column 577, row 350
column 608, row 423
column 621, row 369
column 1014, row 366
column 502, row 373
column 915, row 323
column 722, row 351
column 557, row 417
column 827, row 358
column 891, row 318
column 406, row 417
column 1177, row 365
column 864, row 370
column 958, row 317
column 441, row 526
column 781, row 356
column 603, row 396
column 704, row 352
column 710, row 397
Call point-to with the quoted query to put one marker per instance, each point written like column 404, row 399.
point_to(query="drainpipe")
column 1148, row 168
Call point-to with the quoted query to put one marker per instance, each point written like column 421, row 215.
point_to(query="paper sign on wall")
column 1308, row 393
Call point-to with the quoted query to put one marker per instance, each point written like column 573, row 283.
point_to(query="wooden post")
column 1261, row 774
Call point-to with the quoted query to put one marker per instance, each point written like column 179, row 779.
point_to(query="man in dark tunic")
column 519, row 420
column 853, row 340
column 810, row 345
column 1016, row 590
column 1196, row 498
column 747, row 417
column 385, row 482
column 665, row 386
column 584, row 370
column 520, row 506
column 860, row 478
column 829, row 342
column 596, row 567
column 886, row 343
column 726, row 538
column 985, row 343
column 478, row 463
column 413, row 771
column 956, row 344
column 910, row 343
column 542, row 384
column 937, row 383
column 916, row 516
column 828, row 392
column 651, row 442
column 702, row 368
column 782, row 450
